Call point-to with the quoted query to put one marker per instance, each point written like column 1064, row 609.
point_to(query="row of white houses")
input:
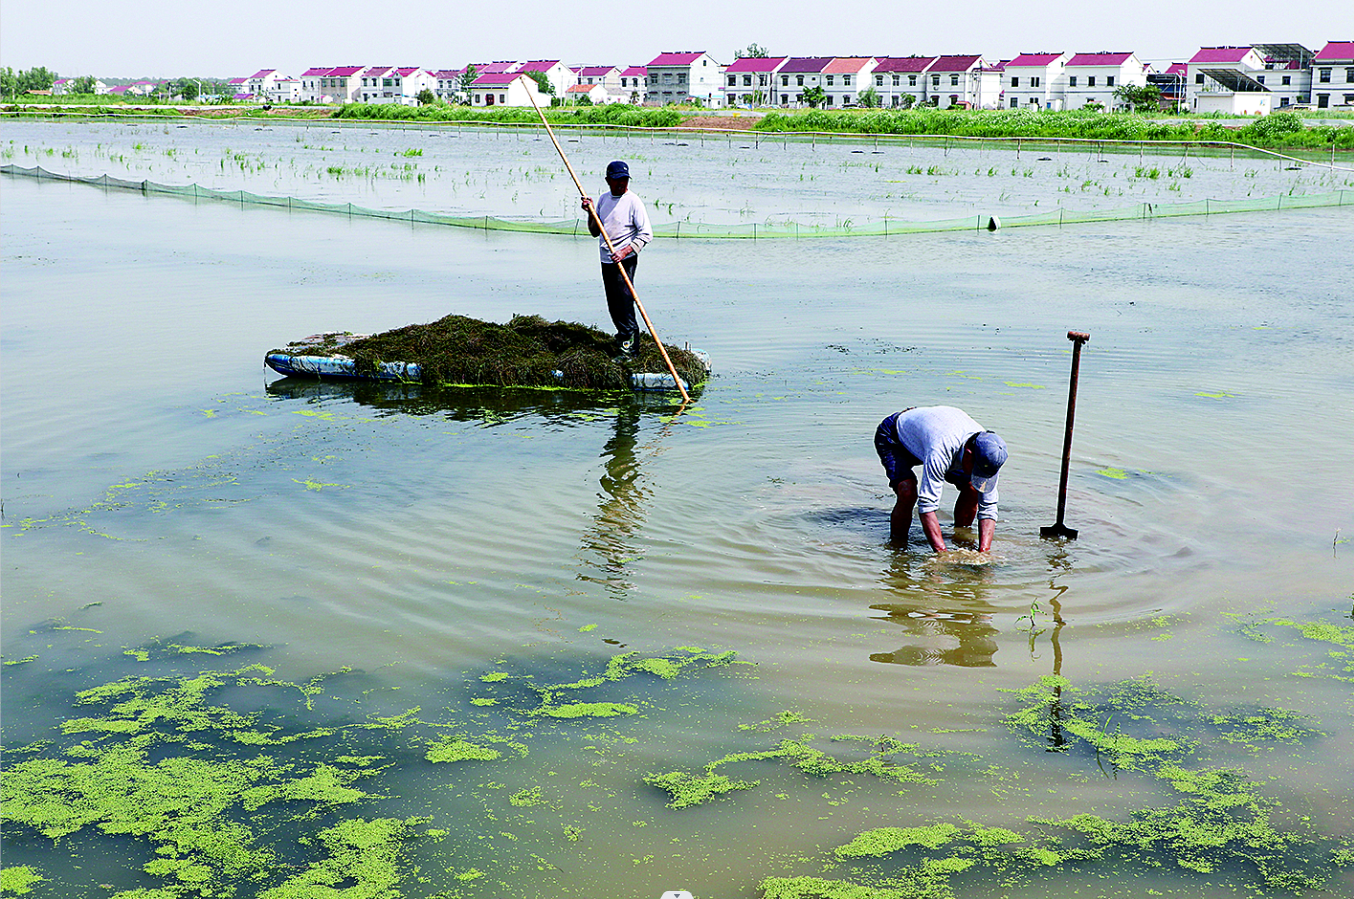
column 1251, row 80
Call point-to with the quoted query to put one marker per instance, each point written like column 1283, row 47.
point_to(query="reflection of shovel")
column 1060, row 529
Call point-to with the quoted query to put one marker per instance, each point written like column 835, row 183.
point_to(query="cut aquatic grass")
column 526, row 352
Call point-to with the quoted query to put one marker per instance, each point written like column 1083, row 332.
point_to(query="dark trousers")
column 619, row 301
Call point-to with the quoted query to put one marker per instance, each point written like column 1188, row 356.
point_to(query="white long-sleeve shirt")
column 625, row 221
column 936, row 435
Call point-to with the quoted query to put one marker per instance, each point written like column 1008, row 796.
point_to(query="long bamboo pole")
column 676, row 379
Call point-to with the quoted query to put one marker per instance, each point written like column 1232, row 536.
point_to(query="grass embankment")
column 526, row 352
column 1279, row 130
column 612, row 114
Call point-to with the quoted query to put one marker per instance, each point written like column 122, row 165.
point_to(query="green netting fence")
column 713, row 231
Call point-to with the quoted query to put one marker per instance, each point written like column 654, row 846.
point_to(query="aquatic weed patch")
column 1214, row 823
column 528, row 351
column 238, row 782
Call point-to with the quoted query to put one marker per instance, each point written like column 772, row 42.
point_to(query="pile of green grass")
column 526, row 352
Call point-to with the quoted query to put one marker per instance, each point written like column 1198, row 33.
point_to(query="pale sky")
column 164, row 39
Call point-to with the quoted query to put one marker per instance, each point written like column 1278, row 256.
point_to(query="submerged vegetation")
column 236, row 782
column 526, row 352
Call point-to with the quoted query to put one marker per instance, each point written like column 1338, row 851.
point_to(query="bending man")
column 949, row 446
column 627, row 224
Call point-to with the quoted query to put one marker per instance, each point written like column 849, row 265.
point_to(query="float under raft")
column 457, row 350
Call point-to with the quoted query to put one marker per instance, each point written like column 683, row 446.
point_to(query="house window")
column 761, row 81
column 1322, row 101
column 1071, row 80
column 785, row 81
column 503, row 98
column 681, row 77
column 1325, row 76
column 935, row 81
column 1090, row 81
column 895, row 80
column 1034, row 82
column 1349, row 75
column 829, row 79
column 731, row 99
column 733, row 79
column 800, row 79
column 1109, row 80
column 1287, row 79
column 747, row 81
column 1260, row 78
column 1015, row 82
column 846, row 79
column 954, row 81
column 1199, row 78
column 911, row 80
column 785, row 99
column 1015, row 101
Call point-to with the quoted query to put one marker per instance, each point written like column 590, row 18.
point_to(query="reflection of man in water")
column 949, row 446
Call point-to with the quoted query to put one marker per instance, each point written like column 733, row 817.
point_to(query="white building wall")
column 1332, row 83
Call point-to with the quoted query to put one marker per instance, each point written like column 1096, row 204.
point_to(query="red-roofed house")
column 560, row 76
column 682, row 77
column 341, row 84
column 1227, row 79
column 1333, row 75
column 845, row 77
column 900, row 80
column 594, row 93
column 1093, row 78
column 635, row 84
column 387, row 84
column 798, row 74
column 310, row 84
column 750, row 80
column 506, row 89
column 969, row 81
column 1035, row 81
column 262, row 81
column 1288, row 73
column 448, row 86
column 608, row 77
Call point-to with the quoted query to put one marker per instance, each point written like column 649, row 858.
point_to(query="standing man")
column 949, row 446
column 627, row 224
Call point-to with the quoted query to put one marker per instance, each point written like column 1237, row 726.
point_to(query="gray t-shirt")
column 936, row 435
column 625, row 221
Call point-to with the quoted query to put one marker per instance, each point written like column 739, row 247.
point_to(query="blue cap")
column 989, row 453
column 618, row 169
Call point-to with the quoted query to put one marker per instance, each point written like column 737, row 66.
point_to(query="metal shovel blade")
column 1058, row 530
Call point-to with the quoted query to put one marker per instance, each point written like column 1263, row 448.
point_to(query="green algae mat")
column 202, row 773
column 528, row 351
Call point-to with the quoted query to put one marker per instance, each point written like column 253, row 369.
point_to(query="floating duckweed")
column 690, row 789
column 883, row 840
column 494, row 677
column 19, row 879
column 457, row 749
column 586, row 710
column 527, row 797
column 364, row 858
column 1117, row 473
column 784, row 719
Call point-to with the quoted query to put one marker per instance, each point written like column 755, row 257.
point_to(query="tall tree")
column 463, row 84
column 38, row 78
column 754, row 51
column 85, row 84
column 9, row 82
column 542, row 82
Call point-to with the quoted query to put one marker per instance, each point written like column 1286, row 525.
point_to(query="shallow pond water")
column 458, row 552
